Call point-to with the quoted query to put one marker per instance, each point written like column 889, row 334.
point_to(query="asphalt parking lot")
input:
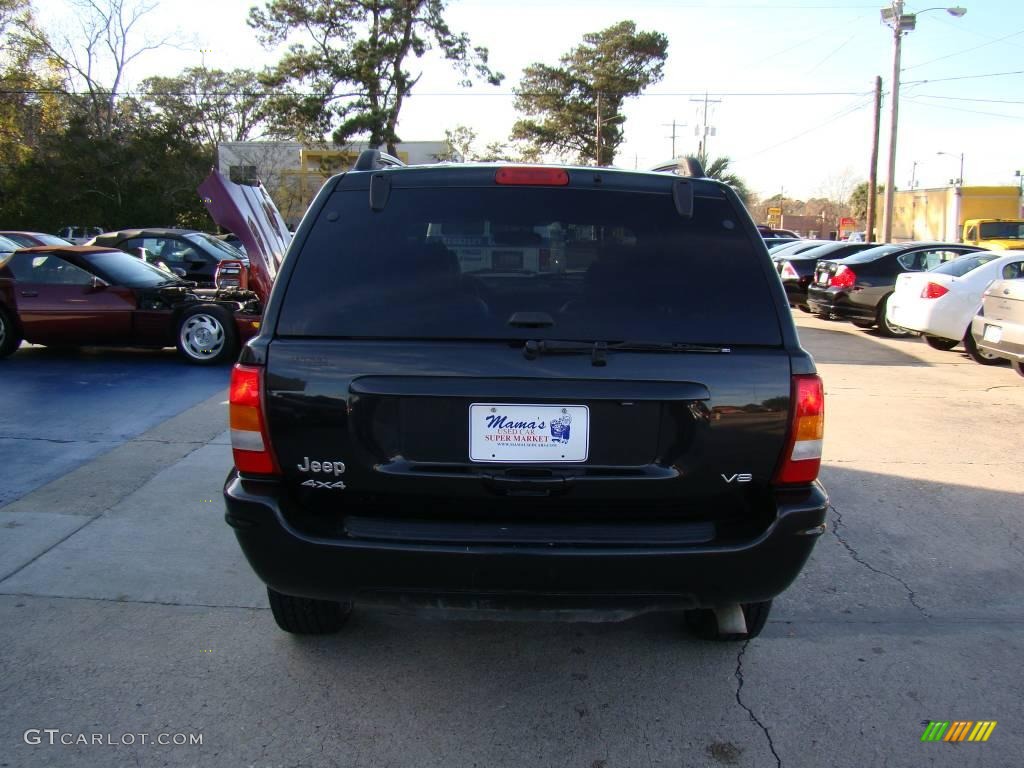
column 126, row 606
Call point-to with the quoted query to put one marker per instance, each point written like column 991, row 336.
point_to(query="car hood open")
column 249, row 213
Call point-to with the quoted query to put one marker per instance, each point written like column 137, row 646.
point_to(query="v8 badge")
column 336, row 486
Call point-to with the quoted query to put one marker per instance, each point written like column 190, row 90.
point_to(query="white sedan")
column 941, row 303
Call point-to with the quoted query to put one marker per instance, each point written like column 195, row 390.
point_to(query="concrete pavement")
column 126, row 607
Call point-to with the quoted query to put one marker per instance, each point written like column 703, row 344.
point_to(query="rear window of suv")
column 478, row 263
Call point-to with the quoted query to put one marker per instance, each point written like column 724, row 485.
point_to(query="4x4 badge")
column 338, row 486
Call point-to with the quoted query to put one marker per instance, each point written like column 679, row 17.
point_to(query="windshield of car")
column 514, row 263
column 120, row 268
column 1002, row 230
column 963, row 265
column 221, row 249
column 7, row 245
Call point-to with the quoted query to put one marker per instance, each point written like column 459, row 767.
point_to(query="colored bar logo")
column 958, row 730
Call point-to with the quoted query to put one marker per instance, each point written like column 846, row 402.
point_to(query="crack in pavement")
column 911, row 595
column 50, row 548
column 749, row 711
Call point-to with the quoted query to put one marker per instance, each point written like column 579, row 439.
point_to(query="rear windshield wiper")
column 599, row 349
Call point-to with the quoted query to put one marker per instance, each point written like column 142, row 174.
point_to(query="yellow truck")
column 1007, row 234
column 944, row 213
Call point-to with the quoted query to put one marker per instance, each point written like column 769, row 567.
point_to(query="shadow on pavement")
column 845, row 348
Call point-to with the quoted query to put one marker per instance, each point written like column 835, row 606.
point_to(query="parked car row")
column 949, row 293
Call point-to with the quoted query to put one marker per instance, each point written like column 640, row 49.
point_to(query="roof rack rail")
column 681, row 166
column 374, row 159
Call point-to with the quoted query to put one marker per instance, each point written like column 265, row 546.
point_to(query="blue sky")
column 793, row 80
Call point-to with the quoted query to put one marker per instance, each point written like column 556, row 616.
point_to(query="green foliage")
column 561, row 102
column 460, row 144
column 351, row 78
column 91, row 159
column 859, row 200
column 142, row 173
column 209, row 106
column 719, row 169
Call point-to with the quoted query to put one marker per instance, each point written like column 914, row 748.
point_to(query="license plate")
column 500, row 432
column 993, row 334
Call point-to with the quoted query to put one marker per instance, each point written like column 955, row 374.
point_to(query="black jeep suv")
column 493, row 385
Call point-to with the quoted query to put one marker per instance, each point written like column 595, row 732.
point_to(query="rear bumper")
column 796, row 292
column 932, row 317
column 1011, row 338
column 295, row 563
column 837, row 302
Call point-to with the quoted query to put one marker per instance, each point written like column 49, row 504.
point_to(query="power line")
column 963, row 77
column 914, row 99
column 846, row 111
column 965, row 98
column 966, row 50
column 442, row 94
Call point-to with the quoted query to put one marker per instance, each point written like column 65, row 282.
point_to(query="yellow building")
column 939, row 214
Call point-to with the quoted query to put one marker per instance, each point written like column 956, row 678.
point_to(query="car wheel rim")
column 202, row 337
column 895, row 330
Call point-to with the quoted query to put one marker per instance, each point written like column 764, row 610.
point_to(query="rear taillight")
column 787, row 272
column 843, row 278
column 934, row 291
column 250, row 443
column 802, row 458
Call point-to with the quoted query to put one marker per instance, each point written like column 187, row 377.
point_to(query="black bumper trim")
column 706, row 574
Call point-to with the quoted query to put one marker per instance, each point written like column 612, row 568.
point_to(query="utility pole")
column 901, row 23
column 673, row 125
column 873, row 170
column 890, row 177
column 704, row 130
column 597, row 137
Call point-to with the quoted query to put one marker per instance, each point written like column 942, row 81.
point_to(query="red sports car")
column 88, row 296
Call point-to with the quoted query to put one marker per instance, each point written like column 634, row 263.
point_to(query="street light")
column 960, row 180
column 900, row 23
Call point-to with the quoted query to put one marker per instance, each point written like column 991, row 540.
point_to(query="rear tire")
column 804, row 308
column 885, row 327
column 1018, row 366
column 10, row 339
column 937, row 342
column 703, row 624
column 306, row 616
column 979, row 356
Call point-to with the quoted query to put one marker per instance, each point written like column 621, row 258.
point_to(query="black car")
column 484, row 385
column 796, row 267
column 767, row 231
column 188, row 253
column 857, row 287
